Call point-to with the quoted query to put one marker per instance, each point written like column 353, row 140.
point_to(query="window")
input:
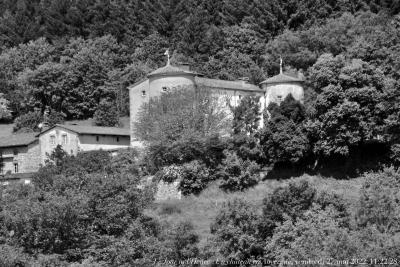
column 117, row 139
column 97, row 138
column 52, row 140
column 15, row 151
column 16, row 167
column 165, row 89
column 279, row 98
column 64, row 139
column 143, row 93
column 240, row 96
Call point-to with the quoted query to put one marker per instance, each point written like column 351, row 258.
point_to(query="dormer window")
column 143, row 93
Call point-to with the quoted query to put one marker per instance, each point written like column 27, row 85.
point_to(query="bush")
column 235, row 234
column 180, row 243
column 66, row 216
column 379, row 201
column 293, row 200
column 195, row 177
column 126, row 161
column 190, row 147
column 169, row 208
column 236, row 173
column 170, row 173
column 12, row 256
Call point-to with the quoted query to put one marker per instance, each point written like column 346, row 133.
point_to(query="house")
column 19, row 153
column 274, row 89
column 74, row 139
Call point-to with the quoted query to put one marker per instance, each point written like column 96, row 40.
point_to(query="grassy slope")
column 202, row 209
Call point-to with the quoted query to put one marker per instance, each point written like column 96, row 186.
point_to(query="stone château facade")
column 274, row 89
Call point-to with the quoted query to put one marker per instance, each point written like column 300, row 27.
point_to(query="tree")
column 283, row 138
column 28, row 122
column 350, row 109
column 235, row 235
column 178, row 113
column 106, row 114
column 237, row 174
column 247, row 115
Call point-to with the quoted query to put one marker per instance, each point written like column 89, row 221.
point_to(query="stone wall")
column 168, row 191
column 30, row 160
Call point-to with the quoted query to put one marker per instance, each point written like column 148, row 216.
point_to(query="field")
column 202, row 209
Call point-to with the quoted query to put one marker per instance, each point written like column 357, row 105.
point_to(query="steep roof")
column 171, row 70
column 282, row 78
column 14, row 140
column 93, row 130
column 229, row 85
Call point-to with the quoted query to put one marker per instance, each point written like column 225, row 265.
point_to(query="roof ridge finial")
column 280, row 65
column 168, row 56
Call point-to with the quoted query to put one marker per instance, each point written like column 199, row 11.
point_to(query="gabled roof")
column 171, row 70
column 23, row 139
column 93, row 130
column 227, row 85
column 282, row 78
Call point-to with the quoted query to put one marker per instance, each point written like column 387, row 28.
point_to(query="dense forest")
column 64, row 60
column 68, row 56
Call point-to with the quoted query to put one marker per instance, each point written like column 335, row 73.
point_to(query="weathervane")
column 167, row 54
column 280, row 65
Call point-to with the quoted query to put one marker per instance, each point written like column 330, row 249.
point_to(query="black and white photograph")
column 199, row 133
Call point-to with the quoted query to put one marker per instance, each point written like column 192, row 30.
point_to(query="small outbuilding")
column 74, row 139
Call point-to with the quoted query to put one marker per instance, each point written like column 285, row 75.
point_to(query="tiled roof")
column 22, row 139
column 229, row 85
column 281, row 78
column 169, row 69
column 93, row 130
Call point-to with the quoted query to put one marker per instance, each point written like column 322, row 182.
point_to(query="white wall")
column 71, row 147
column 88, row 142
column 273, row 91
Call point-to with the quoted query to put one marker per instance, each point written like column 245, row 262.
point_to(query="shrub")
column 195, row 177
column 235, row 234
column 170, row 173
column 169, row 208
column 293, row 200
column 247, row 147
column 126, row 161
column 190, row 147
column 379, row 201
column 236, row 173
column 180, row 243
column 12, row 256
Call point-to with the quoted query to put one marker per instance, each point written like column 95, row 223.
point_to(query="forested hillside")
column 71, row 55
column 73, row 59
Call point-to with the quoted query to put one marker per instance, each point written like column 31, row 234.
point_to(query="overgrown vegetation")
column 74, row 59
